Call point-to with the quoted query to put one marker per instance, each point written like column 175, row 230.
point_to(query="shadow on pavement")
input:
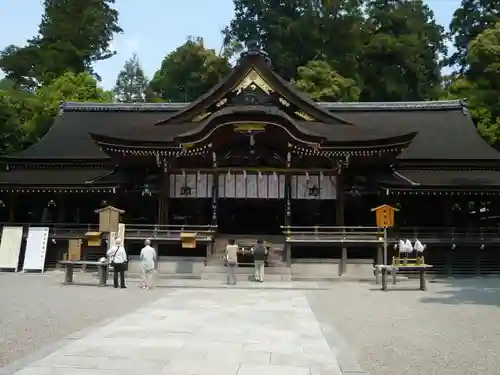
column 466, row 291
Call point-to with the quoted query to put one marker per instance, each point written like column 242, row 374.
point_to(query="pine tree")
column 131, row 84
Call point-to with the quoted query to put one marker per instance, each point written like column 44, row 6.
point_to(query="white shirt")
column 232, row 253
column 148, row 257
column 117, row 254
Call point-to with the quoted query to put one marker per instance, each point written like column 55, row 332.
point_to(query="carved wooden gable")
column 253, row 89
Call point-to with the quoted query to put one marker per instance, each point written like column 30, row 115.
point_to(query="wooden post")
column 340, row 217
column 385, row 219
column 288, row 208
column 423, row 287
column 11, row 204
column 215, row 190
column 163, row 201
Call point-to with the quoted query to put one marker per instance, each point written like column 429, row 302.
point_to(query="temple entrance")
column 251, row 216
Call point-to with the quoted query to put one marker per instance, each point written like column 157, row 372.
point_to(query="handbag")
column 113, row 258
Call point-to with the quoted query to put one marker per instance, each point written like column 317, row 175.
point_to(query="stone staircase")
column 276, row 270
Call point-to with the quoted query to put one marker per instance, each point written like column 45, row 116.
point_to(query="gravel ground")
column 37, row 310
column 453, row 328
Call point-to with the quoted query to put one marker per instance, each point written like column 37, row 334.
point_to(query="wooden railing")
column 367, row 234
column 132, row 231
column 158, row 232
column 330, row 234
column 327, row 234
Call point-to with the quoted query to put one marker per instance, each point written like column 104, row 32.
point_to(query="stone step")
column 247, row 270
column 245, row 277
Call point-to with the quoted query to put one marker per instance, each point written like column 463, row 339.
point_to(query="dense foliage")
column 334, row 50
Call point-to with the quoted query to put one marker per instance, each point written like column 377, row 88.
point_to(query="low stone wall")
column 329, row 269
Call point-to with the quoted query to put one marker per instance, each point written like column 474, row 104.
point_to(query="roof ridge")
column 359, row 106
column 406, row 105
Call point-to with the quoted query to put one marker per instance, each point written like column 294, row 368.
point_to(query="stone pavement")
column 195, row 331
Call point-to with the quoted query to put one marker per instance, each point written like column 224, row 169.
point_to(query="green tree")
column 323, row 83
column 81, row 87
column 188, row 72
column 72, row 35
column 481, row 86
column 470, row 20
column 400, row 57
column 12, row 118
column 296, row 32
column 131, row 84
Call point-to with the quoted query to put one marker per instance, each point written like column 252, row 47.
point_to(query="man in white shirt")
column 231, row 256
column 118, row 259
column 148, row 262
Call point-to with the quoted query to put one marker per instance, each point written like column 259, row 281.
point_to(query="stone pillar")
column 339, row 215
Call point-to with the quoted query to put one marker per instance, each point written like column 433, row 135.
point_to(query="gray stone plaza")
column 200, row 327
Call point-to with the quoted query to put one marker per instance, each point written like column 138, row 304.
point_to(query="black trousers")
column 119, row 268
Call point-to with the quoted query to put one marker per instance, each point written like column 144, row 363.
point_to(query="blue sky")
column 152, row 28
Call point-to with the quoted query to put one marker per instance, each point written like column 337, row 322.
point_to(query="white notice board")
column 10, row 247
column 114, row 236
column 36, row 248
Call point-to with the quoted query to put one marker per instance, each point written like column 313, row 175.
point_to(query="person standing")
column 259, row 258
column 231, row 257
column 118, row 259
column 148, row 262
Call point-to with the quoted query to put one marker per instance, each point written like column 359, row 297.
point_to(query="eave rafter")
column 59, row 189
column 183, row 150
column 451, row 191
column 362, row 152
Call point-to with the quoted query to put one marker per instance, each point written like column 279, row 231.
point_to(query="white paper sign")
column 10, row 247
column 114, row 236
column 36, row 249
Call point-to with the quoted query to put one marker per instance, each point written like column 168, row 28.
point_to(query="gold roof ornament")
column 253, row 80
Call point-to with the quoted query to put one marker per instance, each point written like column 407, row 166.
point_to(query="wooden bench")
column 69, row 265
column 386, row 269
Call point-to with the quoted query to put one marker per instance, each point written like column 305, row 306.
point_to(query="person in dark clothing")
column 259, row 258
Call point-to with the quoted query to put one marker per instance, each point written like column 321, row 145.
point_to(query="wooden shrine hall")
column 254, row 157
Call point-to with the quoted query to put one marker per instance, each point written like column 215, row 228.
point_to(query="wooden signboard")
column 93, row 238
column 385, row 215
column 188, row 240
column 109, row 217
column 75, row 249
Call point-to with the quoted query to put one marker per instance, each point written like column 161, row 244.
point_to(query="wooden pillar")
column 450, row 230
column 339, row 216
column 479, row 252
column 288, row 208
column 11, row 205
column 163, row 212
column 215, row 190
column 61, row 208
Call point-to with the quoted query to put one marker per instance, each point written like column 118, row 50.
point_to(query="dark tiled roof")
column 443, row 178
column 443, row 133
column 53, row 177
column 69, row 139
column 445, row 130
column 344, row 106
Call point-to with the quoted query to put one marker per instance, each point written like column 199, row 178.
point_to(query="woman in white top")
column 118, row 259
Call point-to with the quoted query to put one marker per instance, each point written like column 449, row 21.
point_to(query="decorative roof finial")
column 254, row 49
